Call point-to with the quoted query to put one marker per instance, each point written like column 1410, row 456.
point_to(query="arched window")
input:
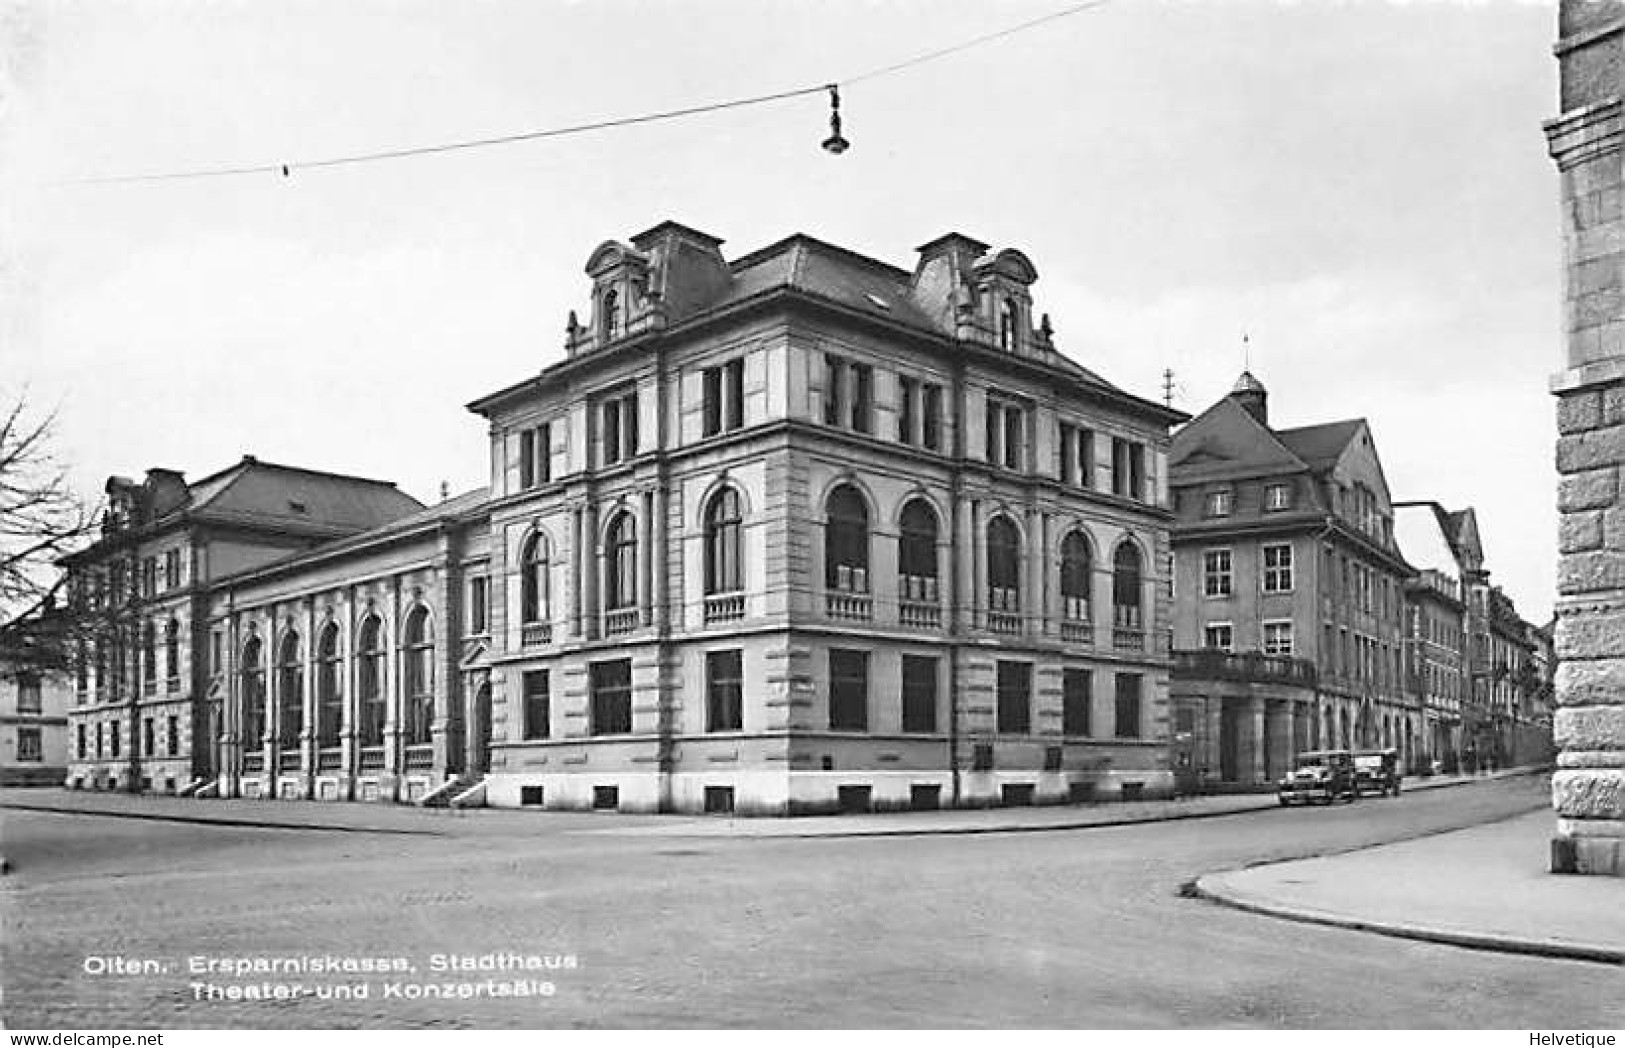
column 1077, row 570
column 370, row 681
column 1003, row 565
column 621, row 565
column 329, row 688
column 611, row 323
column 149, row 655
column 846, row 541
column 724, row 570
column 1126, row 595
column 290, row 687
column 418, row 645
column 253, row 691
column 1007, row 324
column 917, row 552
column 533, row 595
column 172, row 652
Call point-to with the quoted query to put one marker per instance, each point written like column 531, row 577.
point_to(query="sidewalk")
column 410, row 819
column 1484, row 887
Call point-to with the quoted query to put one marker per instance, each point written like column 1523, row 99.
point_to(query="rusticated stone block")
column 1613, row 405
column 1591, row 682
column 1579, row 411
column 1593, row 635
column 1578, row 532
column 1613, row 528
column 1589, row 794
column 1590, row 489
column 1591, row 572
column 1591, row 449
column 1589, row 727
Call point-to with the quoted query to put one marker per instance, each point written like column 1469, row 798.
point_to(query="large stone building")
column 1588, row 789
column 801, row 531
column 1289, row 621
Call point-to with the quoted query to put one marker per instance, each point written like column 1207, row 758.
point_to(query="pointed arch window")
column 370, row 681
column 917, row 552
column 1127, row 592
column 253, row 692
column 724, row 565
column 846, row 541
column 621, row 563
column 329, row 688
column 418, row 652
column 1003, row 566
column 533, row 588
column 290, row 689
column 1077, row 571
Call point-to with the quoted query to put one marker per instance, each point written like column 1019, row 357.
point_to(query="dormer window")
column 609, row 323
column 1007, row 325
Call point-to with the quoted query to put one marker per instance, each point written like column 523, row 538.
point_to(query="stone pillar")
column 1588, row 789
column 576, row 562
column 1252, row 743
column 589, row 572
column 978, row 559
column 1280, row 749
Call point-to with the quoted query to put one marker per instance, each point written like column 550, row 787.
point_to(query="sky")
column 1361, row 190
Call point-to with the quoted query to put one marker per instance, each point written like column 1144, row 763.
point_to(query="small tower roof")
column 1247, row 383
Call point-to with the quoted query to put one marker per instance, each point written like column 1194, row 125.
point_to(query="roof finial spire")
column 1246, row 352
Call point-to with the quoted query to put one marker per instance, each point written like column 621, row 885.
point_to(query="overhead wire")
column 286, row 168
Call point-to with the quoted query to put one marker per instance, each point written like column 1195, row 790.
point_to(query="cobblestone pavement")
column 1070, row 928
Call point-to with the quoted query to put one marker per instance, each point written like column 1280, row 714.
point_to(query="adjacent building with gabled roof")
column 1289, row 594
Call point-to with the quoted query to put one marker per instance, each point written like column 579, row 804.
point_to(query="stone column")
column 589, row 572
column 1588, row 789
column 978, row 559
column 576, row 562
column 646, row 532
column 1252, row 739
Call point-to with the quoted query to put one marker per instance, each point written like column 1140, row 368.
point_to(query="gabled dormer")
column 979, row 298
column 1005, row 301
column 666, row 273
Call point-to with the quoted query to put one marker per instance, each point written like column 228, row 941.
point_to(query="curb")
column 1200, row 888
column 208, row 820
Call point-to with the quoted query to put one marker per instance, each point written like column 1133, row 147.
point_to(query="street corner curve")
column 1217, row 888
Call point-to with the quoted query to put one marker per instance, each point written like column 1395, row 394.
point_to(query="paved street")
column 1080, row 927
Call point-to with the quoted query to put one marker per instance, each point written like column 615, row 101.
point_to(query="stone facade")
column 1588, row 788
column 33, row 726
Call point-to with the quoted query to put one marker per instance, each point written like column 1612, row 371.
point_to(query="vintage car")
column 1377, row 771
column 1319, row 776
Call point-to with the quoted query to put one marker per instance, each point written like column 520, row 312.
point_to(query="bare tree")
column 41, row 519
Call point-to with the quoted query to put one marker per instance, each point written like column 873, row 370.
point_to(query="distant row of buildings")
column 802, row 531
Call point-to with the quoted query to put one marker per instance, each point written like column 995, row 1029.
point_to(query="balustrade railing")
column 920, row 615
column 623, row 620
column 856, row 607
column 1077, row 631
column 1127, row 639
column 534, row 633
column 724, row 607
column 1003, row 622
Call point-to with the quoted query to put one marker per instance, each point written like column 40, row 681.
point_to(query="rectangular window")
column 931, row 416
column 1278, row 569
column 149, row 737
column 1216, row 572
column 29, row 747
column 919, row 693
column 1128, row 705
column 724, row 691
column 99, row 733
column 173, row 734
column 1014, row 431
column 1006, row 433
column 149, row 576
column 115, row 738
column 536, row 456
column 1219, row 636
column 172, row 569
column 81, row 741
column 1277, row 496
column 724, row 397
column 1069, row 452
column 611, row 697
column 1277, row 638
column 618, row 427
column 863, row 384
column 908, row 391
column 1128, row 469
column 1015, row 697
column 834, row 389
column 28, row 694
column 1218, row 504
column 1077, row 455
column 848, row 690
column 1077, row 696
column 479, row 605
column 538, row 704
column 214, row 653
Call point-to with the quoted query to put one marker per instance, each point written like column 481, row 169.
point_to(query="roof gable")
column 1227, row 441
